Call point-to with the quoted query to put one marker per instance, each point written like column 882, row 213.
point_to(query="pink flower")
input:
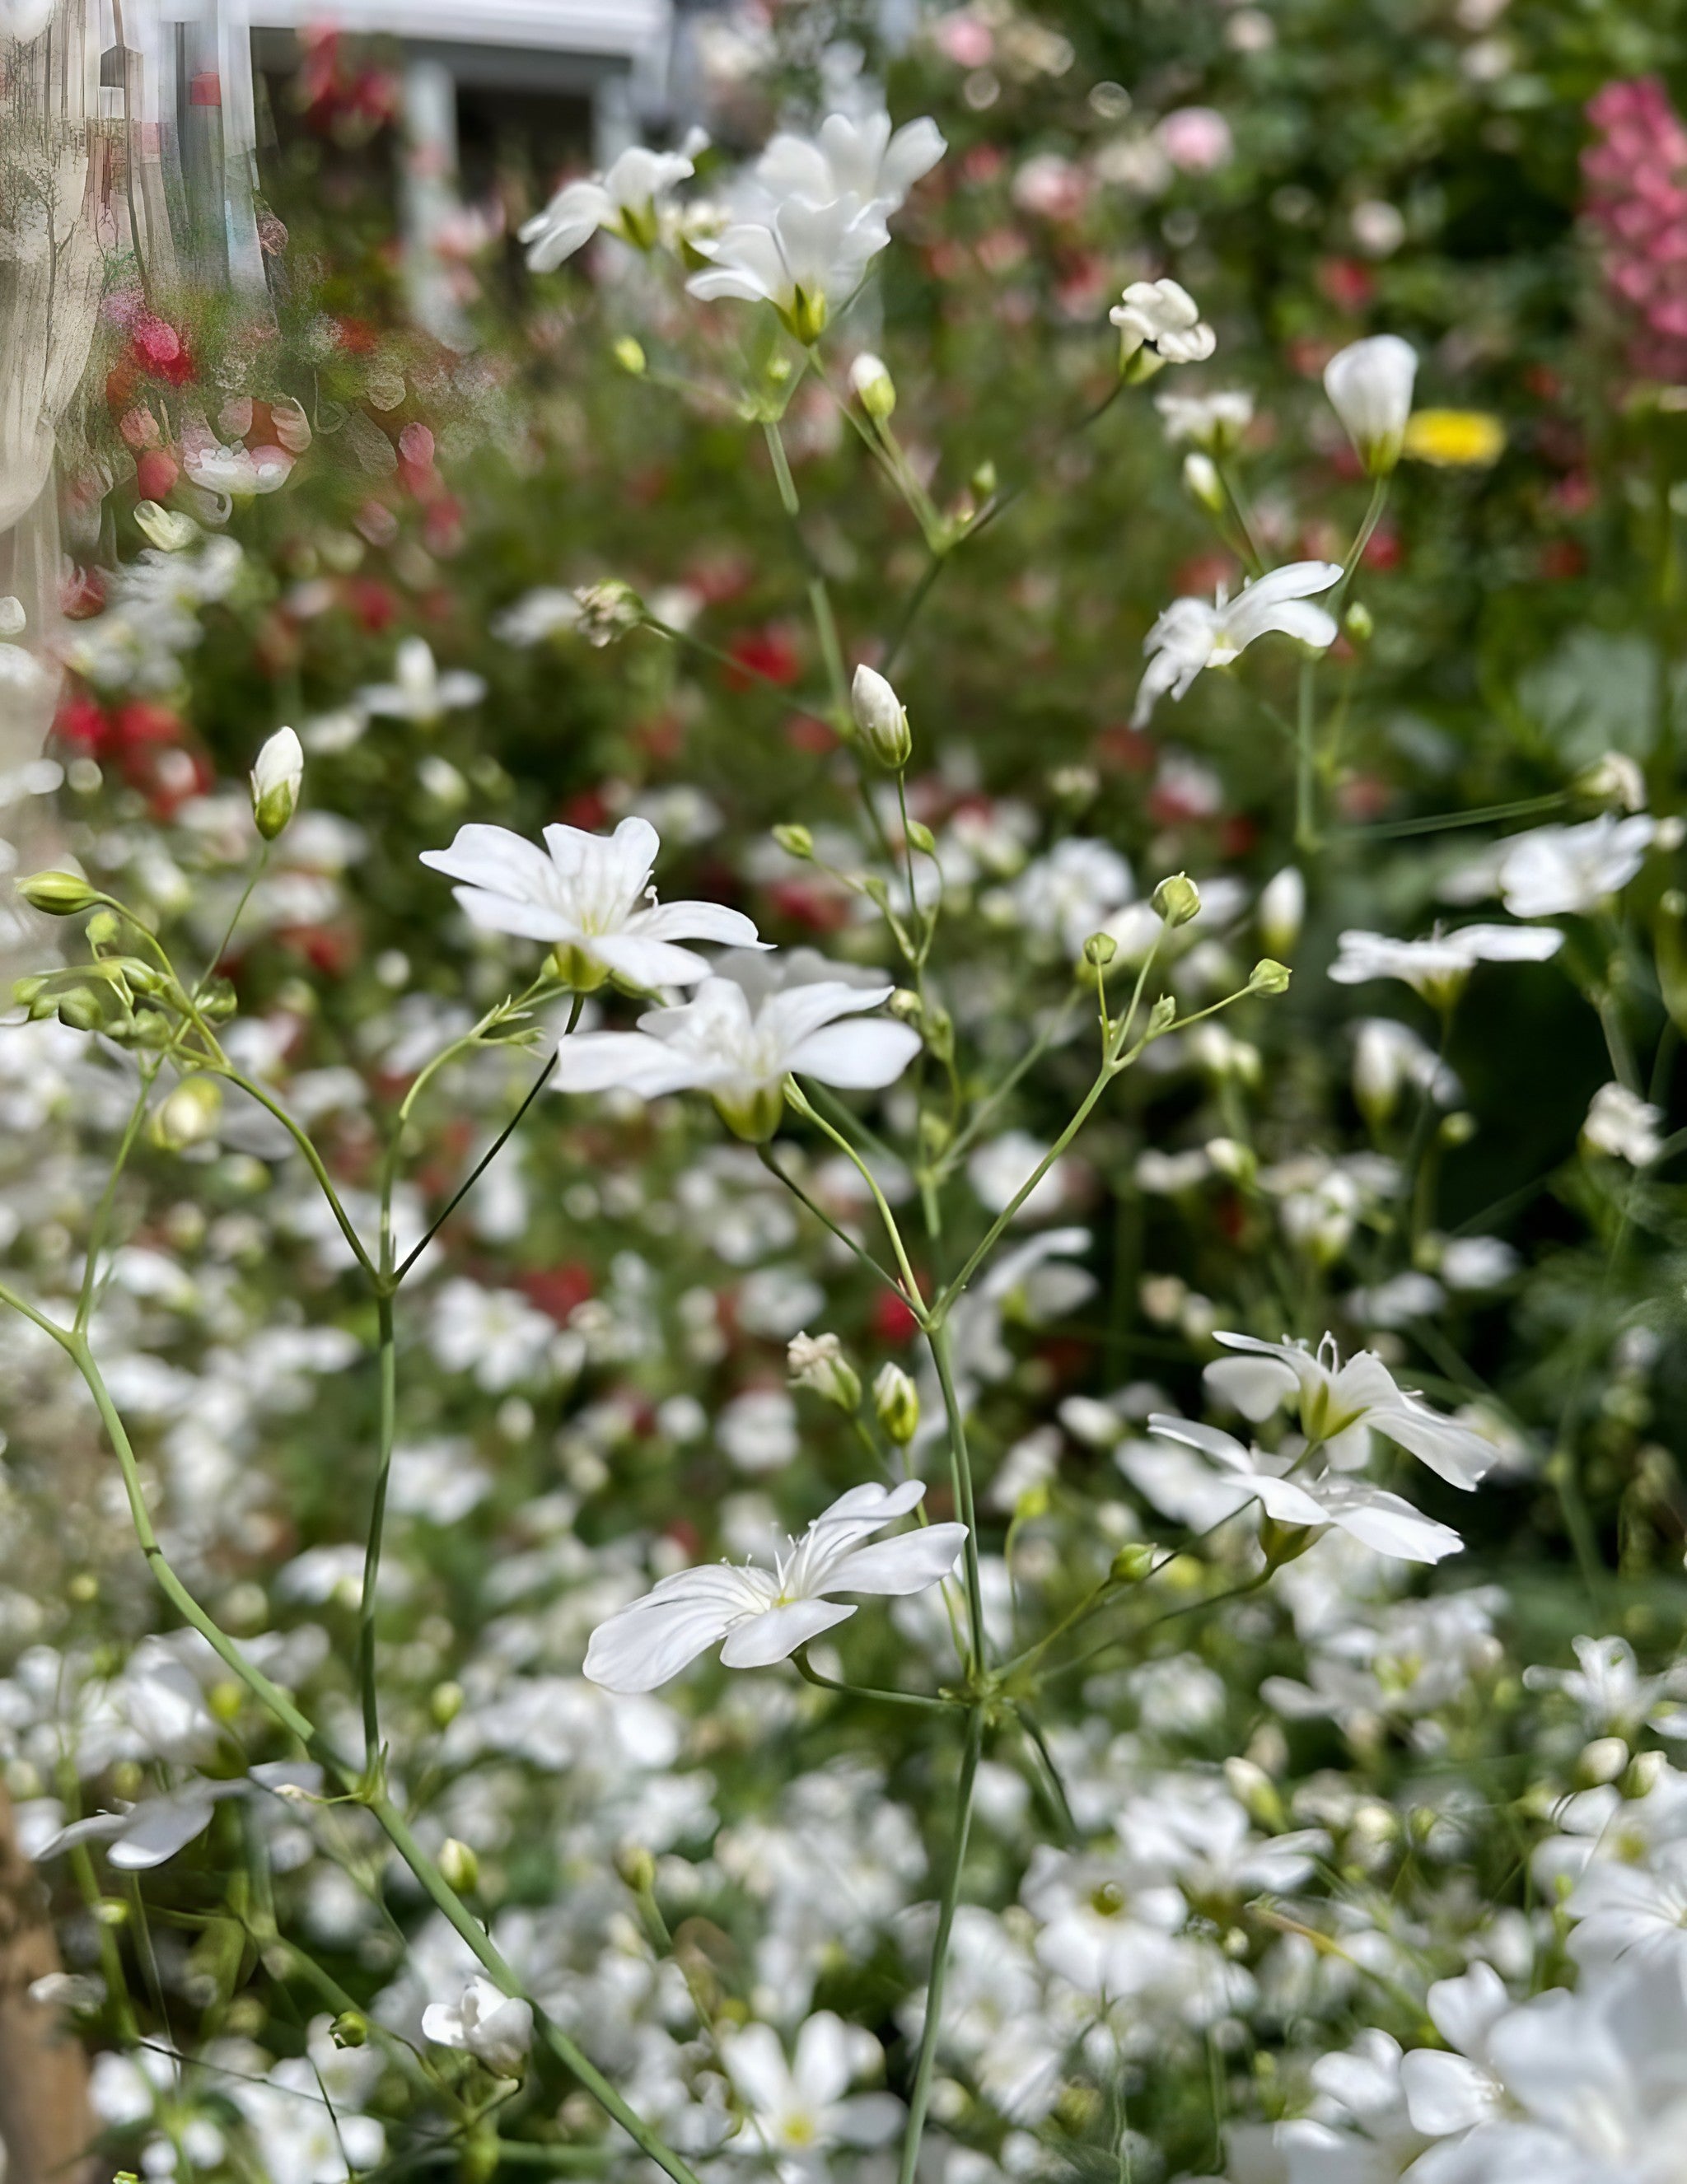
column 1196, row 139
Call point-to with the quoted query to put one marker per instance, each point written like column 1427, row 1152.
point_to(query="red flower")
column 767, row 655
column 81, row 720
column 161, row 350
column 892, row 1320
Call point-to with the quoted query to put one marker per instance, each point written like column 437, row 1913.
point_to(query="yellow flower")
column 1455, row 439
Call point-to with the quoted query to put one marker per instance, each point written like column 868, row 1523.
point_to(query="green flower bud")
column 459, row 1866
column 921, row 838
column 59, row 894
column 630, row 356
column 189, row 1115
column 1268, row 976
column 881, row 719
column 874, row 388
column 795, row 841
column 1201, row 482
column 818, row 1362
column 1176, row 900
column 276, row 779
column 896, row 1404
column 350, row 2029
column 1133, row 1562
column 1359, row 622
column 445, row 1703
column 636, row 1867
column 1162, row 1016
column 1099, row 950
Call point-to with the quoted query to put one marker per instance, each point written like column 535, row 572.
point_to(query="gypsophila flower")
column 764, row 1615
column 419, row 692
column 1340, row 1405
column 1162, row 319
column 740, row 1036
column 1212, row 422
column 591, row 898
column 1622, row 1124
column 626, row 200
column 1370, row 387
column 1557, row 871
column 1191, row 635
column 1438, row 967
column 493, row 2027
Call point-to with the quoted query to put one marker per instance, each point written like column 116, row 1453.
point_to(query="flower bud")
column 276, row 779
column 636, row 1867
column 1282, row 909
column 350, row 2029
column 1613, row 779
column 795, row 841
column 445, row 1703
column 1359, row 623
column 1268, row 976
column 1370, row 385
column 1176, row 900
column 630, row 356
column 459, row 1866
column 874, row 388
column 881, row 719
column 1600, row 1761
column 983, row 481
column 608, row 610
column 1255, row 1792
column 896, row 1404
column 1230, row 1157
column 189, row 1115
column 1099, row 950
column 1201, row 482
column 921, row 838
column 1162, row 1016
column 59, row 894
column 818, row 1362
column 163, row 527
column 1133, row 1562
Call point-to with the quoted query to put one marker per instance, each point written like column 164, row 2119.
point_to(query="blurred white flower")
column 239, row 472
column 1622, row 1124
column 850, row 157
column 419, row 692
column 627, row 200
column 590, row 896
column 1557, row 871
column 1214, row 422
column 1438, row 967
column 800, row 259
column 1369, row 386
column 765, row 1615
column 1191, row 635
column 494, row 2027
column 800, row 2111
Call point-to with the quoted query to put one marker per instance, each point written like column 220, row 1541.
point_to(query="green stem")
column 782, row 476
column 810, row 1675
column 378, row 1520
column 826, row 1221
column 910, row 1280
column 920, row 2096
column 1305, row 764
column 313, row 1160
column 937, row 1337
column 108, row 1199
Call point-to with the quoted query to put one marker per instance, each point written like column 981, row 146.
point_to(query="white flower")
column 1191, row 635
column 1214, row 422
column 800, row 2110
column 1381, row 1521
column 740, row 1036
column 1162, row 318
column 765, row 1615
column 1387, row 1056
column 627, row 199
column 1341, row 1405
column 537, row 615
column 277, row 780
column 144, row 1835
column 1622, row 1124
column 1282, row 911
column 1438, row 967
column 496, row 1334
column 799, row 258
column 419, row 692
column 1554, row 872
column 1073, row 891
column 237, row 471
column 881, row 717
column 1370, row 387
column 493, row 2027
column 590, row 896
column 998, row 1168
column 848, row 158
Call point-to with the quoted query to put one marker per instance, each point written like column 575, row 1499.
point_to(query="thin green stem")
column 810, row 1675
column 378, row 1520
column 910, row 1280
column 221, row 947
column 920, row 2097
column 313, row 1159
column 1305, row 763
column 826, row 1221
column 108, row 1199
column 942, row 1359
